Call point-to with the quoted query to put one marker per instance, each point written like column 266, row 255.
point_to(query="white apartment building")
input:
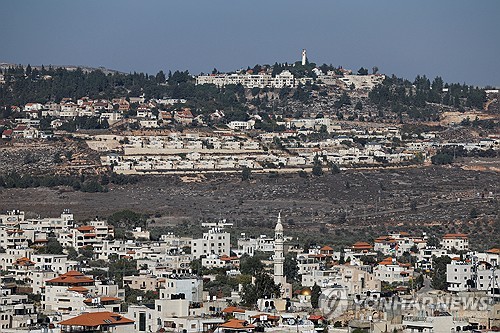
column 389, row 270
column 458, row 242
column 398, row 243
column 66, row 293
column 284, row 79
column 241, row 125
column 57, row 263
column 64, row 222
column 355, row 280
column 464, row 276
column 215, row 241
column 12, row 217
column 16, row 311
column 425, row 256
column 248, row 245
column 180, row 297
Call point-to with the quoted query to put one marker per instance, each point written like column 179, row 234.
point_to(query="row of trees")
column 396, row 92
column 447, row 155
column 82, row 183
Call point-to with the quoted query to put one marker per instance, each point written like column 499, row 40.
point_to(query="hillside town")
column 302, row 141
column 63, row 275
column 140, row 135
column 126, row 274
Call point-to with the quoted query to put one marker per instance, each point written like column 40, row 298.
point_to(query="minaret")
column 279, row 258
column 304, row 57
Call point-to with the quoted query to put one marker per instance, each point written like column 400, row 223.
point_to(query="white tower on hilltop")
column 304, row 57
column 279, row 258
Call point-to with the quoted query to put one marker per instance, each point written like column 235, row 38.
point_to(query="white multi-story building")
column 215, row 241
column 353, row 278
column 284, row 79
column 464, row 275
column 241, row 125
column 16, row 312
column 398, row 243
column 12, row 217
column 457, row 242
column 248, row 245
column 389, row 270
column 57, row 263
column 425, row 256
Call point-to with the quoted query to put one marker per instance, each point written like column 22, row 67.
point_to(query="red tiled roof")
column 494, row 251
column 387, row 261
column 237, row 324
column 97, row 319
column 385, row 239
column 85, row 228
column 72, row 277
column 361, row 245
column 269, row 317
column 103, row 299
column 226, row 258
column 453, row 236
column 232, row 309
column 82, row 290
column 326, row 248
column 24, row 262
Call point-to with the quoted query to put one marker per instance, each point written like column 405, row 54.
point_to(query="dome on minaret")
column 279, row 226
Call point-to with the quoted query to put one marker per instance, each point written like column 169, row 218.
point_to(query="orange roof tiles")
column 71, row 278
column 82, row 290
column 385, row 239
column 103, row 299
column 453, row 236
column 232, row 309
column 326, row 248
column 85, row 228
column 316, row 317
column 97, row 319
column 226, row 258
column 493, row 251
column 269, row 317
column 237, row 324
column 24, row 262
column 361, row 245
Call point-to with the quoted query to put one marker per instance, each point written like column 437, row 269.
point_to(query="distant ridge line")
column 5, row 65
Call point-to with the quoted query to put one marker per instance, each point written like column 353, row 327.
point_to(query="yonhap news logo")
column 334, row 302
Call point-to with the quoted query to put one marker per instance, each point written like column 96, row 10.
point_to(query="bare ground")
column 333, row 208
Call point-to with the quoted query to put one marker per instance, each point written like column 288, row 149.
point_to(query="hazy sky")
column 456, row 39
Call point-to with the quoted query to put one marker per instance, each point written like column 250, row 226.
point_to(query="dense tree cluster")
column 82, row 183
column 24, row 85
column 416, row 98
column 439, row 272
column 84, row 123
column 446, row 155
column 126, row 220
